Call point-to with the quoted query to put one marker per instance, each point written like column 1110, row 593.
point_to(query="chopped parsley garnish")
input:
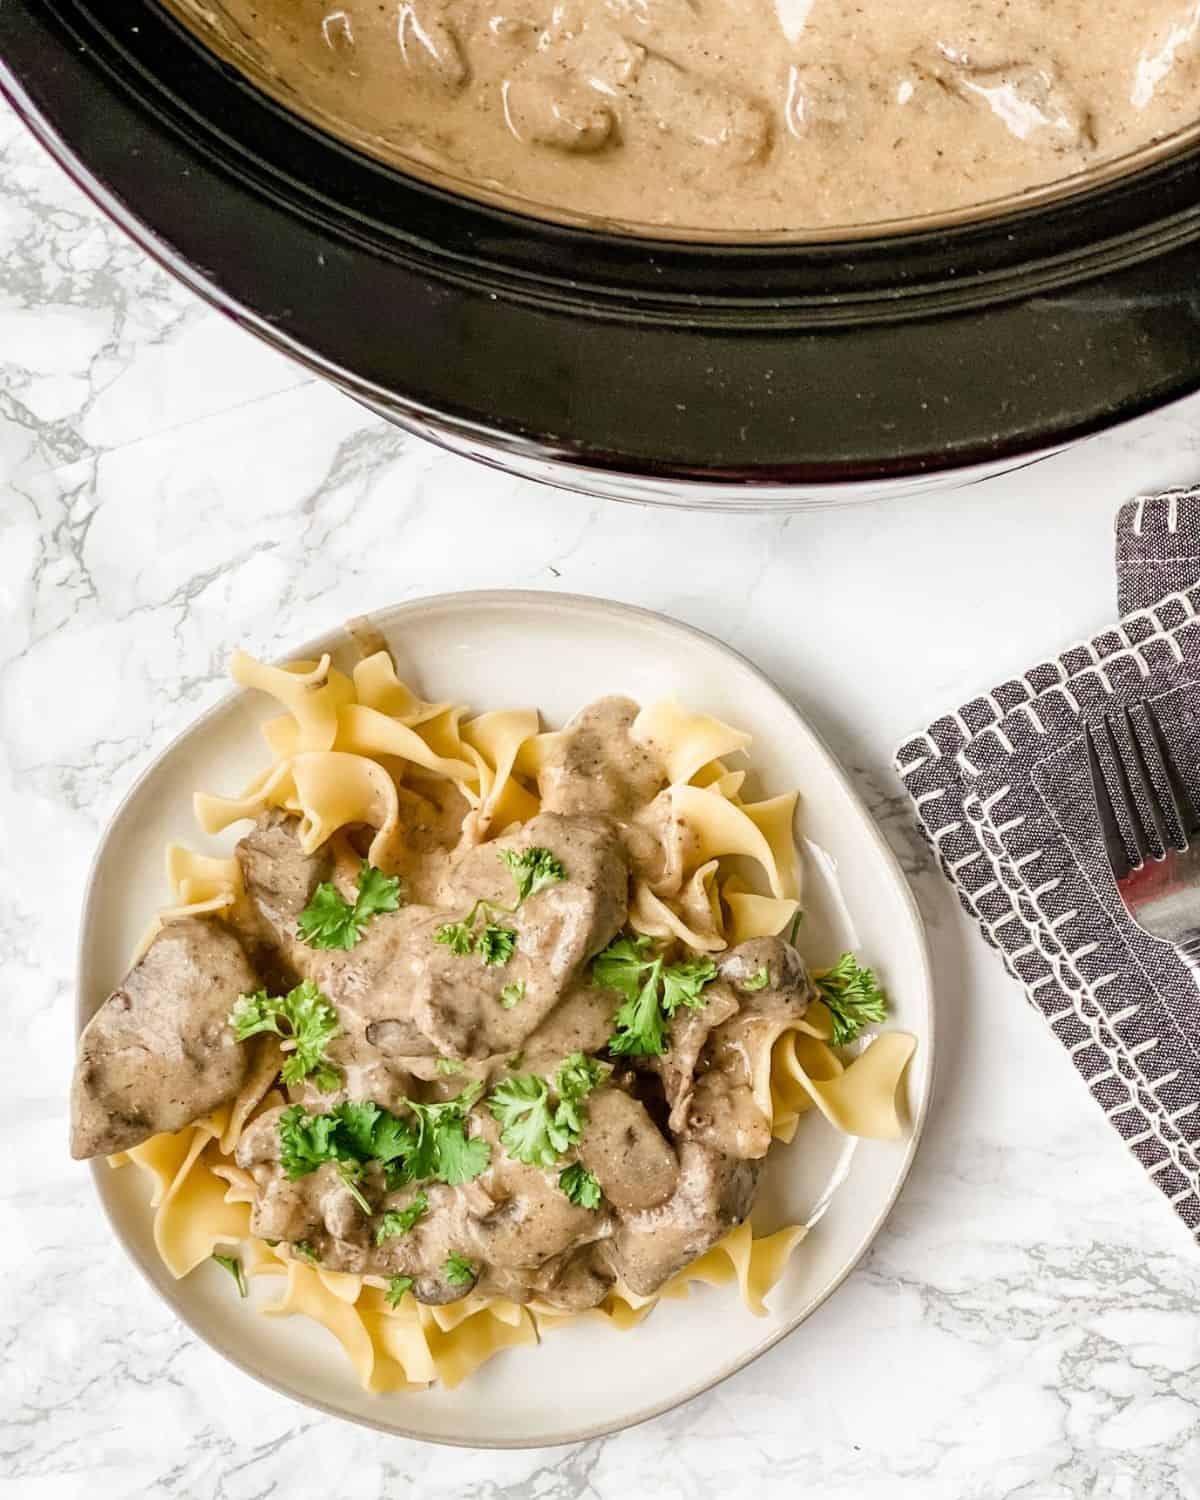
column 459, row 1271
column 580, row 1185
column 534, row 1130
column 493, row 943
column 306, row 1141
column 653, row 992
column 233, row 1265
column 447, row 1066
column 533, row 870
column 311, row 1024
column 442, row 1149
column 457, row 936
column 794, row 930
column 304, row 1250
column 433, row 1144
column 853, row 997
column 372, row 1133
column 757, row 981
column 329, row 920
column 397, row 1287
column 527, row 1128
column 512, row 994
column 397, row 1221
column 351, row 1173
column 496, row 944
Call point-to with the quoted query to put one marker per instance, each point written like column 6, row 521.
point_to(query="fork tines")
column 1143, row 805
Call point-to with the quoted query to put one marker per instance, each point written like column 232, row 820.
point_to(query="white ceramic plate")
column 494, row 650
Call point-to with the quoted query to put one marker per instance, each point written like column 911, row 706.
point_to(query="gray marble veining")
column 1026, row 1326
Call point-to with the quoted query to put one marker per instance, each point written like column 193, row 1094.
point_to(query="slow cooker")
column 688, row 372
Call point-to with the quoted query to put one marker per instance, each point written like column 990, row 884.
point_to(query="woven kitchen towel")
column 1003, row 793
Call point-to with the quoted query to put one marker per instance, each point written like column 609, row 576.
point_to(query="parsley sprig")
column 532, row 870
column 853, row 997
column 442, row 1149
column 329, row 920
column 580, row 1185
column 311, row 1024
column 233, row 1265
column 398, row 1221
column 534, row 1129
column 653, row 990
column 757, row 981
column 433, row 1144
column 397, row 1287
column 493, row 943
column 459, row 1271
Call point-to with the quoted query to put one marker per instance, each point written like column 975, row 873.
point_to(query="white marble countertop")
column 1027, row 1323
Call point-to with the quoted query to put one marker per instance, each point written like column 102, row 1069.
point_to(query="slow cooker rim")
column 971, row 431
column 820, row 283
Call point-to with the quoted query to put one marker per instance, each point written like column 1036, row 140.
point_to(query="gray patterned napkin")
column 1003, row 794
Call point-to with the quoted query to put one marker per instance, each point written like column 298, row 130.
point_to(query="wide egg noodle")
column 443, row 734
column 312, row 693
column 334, row 789
column 684, row 741
column 460, row 1351
column 273, row 787
column 495, row 739
column 717, row 776
column 862, row 1098
column 399, row 1337
column 792, row 1055
column 192, row 1214
column 651, row 915
column 346, row 1286
column 196, row 877
column 752, row 915
column 367, row 732
column 377, row 686
column 719, row 827
column 755, row 1264
column 775, row 819
column 305, row 1293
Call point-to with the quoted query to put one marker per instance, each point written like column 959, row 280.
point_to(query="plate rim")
column 478, row 599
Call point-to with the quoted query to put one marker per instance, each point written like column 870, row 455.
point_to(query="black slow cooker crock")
column 669, row 370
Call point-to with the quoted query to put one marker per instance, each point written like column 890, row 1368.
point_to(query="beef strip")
column 628, row 1154
column 512, row 1223
column 158, row 1054
column 718, row 1105
column 687, row 1036
column 400, row 994
column 713, row 1196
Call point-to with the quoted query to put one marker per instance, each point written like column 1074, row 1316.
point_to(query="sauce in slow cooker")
column 729, row 115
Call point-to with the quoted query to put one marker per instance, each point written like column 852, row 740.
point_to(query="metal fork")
column 1150, row 829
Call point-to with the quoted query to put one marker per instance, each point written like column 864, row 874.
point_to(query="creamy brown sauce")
column 728, row 115
column 675, row 1142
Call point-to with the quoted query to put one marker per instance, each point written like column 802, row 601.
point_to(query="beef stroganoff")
column 480, row 1028
column 727, row 115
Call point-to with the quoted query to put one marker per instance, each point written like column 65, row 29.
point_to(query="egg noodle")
column 341, row 752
